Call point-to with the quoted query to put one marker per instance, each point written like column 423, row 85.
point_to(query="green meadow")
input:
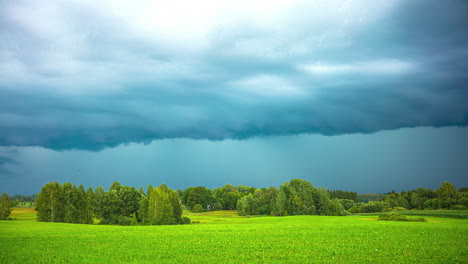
column 224, row 237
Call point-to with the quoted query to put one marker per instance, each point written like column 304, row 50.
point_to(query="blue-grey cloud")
column 6, row 164
column 88, row 76
column 402, row 159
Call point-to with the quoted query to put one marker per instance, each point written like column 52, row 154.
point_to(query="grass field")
column 460, row 214
column 223, row 237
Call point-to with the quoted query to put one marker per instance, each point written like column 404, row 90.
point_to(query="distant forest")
column 126, row 205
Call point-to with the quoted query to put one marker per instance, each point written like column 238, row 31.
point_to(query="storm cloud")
column 91, row 75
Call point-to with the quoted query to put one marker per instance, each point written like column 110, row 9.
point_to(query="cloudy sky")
column 361, row 95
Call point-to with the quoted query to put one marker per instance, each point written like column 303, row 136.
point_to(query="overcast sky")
column 361, row 95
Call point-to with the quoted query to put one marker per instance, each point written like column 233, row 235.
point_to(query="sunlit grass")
column 461, row 214
column 224, row 237
column 23, row 213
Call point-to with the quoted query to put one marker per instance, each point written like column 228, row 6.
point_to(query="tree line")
column 126, row 205
column 7, row 203
column 122, row 205
column 445, row 197
column 297, row 197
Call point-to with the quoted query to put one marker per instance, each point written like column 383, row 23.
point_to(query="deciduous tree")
column 6, row 205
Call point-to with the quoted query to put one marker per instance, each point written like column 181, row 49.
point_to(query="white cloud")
column 267, row 85
column 77, row 46
column 214, row 69
column 378, row 67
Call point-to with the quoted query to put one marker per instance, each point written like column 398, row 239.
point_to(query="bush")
column 347, row 204
column 432, row 204
column 372, row 207
column 124, row 220
column 197, row 208
column 458, row 207
column 392, row 216
column 355, row 209
column 345, row 213
column 186, row 220
column 463, row 201
column 336, row 208
column 134, row 220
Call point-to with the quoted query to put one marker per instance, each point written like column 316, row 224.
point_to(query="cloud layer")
column 87, row 75
column 402, row 159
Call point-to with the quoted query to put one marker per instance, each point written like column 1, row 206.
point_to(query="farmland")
column 225, row 237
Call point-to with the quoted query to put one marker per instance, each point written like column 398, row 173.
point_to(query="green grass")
column 460, row 214
column 23, row 214
column 223, row 237
column 393, row 216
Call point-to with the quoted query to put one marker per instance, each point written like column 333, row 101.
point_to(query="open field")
column 223, row 237
column 460, row 214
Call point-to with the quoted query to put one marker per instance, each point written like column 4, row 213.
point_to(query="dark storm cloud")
column 6, row 160
column 5, row 166
column 90, row 76
column 411, row 158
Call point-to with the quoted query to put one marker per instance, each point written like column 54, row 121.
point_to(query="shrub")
column 432, row 204
column 372, row 207
column 186, row 220
column 355, row 209
column 197, row 208
column 336, row 208
column 458, row 207
column 134, row 220
column 124, row 220
column 392, row 216
column 463, row 201
column 347, row 204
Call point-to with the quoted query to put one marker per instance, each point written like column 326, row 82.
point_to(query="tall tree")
column 49, row 203
column 279, row 208
column 266, row 199
column 90, row 205
column 111, row 207
column 160, row 209
column 176, row 206
column 164, row 207
column 129, row 199
column 447, row 194
column 6, row 205
column 143, row 210
column 324, row 203
column 227, row 196
column 336, row 208
column 303, row 200
column 199, row 195
column 70, row 203
column 99, row 195
column 447, row 191
column 247, row 205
